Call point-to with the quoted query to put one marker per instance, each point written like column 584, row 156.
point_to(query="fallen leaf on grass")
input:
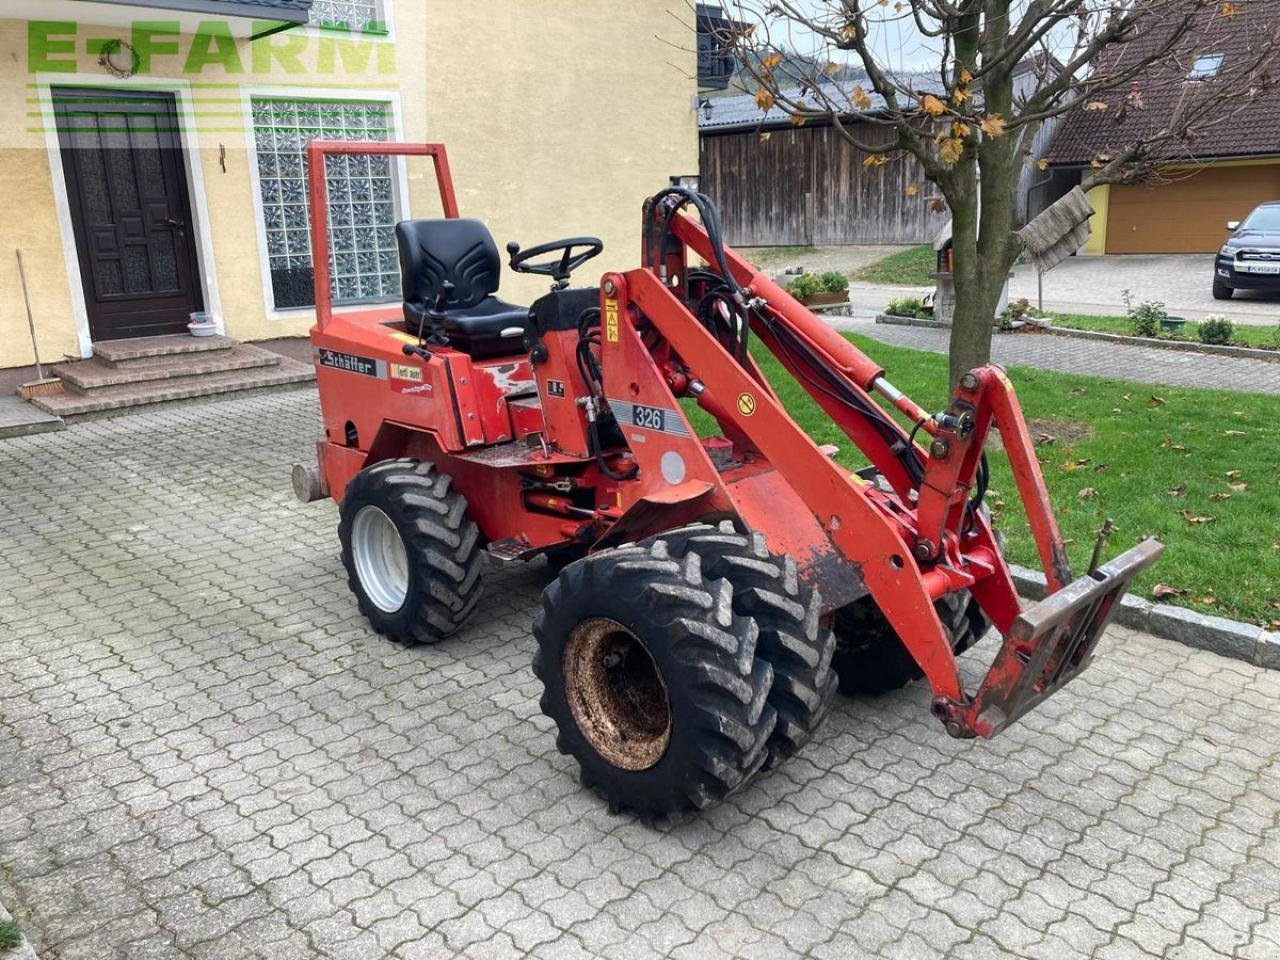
column 1045, row 439
column 1206, row 601
column 1235, row 433
column 1178, row 491
column 1099, row 467
column 1168, row 444
column 1088, row 493
column 1076, row 392
column 1233, row 474
column 1238, row 487
column 1127, row 397
column 1162, row 590
column 1188, row 516
column 1219, row 496
column 1155, row 401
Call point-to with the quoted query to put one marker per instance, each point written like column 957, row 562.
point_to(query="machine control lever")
column 410, row 350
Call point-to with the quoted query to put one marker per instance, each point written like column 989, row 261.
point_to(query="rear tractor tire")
column 652, row 679
column 413, row 557
column 793, row 640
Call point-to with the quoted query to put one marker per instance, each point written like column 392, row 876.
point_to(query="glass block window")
column 363, row 262
column 358, row 15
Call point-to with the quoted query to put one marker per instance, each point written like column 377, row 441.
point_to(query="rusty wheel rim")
column 616, row 694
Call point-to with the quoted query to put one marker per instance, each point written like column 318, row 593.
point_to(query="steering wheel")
column 557, row 269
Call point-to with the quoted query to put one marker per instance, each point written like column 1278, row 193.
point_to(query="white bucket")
column 202, row 324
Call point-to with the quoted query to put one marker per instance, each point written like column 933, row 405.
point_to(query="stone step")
column 18, row 418
column 103, row 400
column 88, row 376
column 143, row 351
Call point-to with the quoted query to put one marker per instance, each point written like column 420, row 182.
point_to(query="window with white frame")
column 360, row 16
column 364, row 265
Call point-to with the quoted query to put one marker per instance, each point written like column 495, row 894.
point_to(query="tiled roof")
column 742, row 112
column 293, row 11
column 1253, row 129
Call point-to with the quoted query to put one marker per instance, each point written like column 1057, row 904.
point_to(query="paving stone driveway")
column 205, row 753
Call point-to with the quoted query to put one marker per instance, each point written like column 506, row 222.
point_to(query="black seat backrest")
column 460, row 251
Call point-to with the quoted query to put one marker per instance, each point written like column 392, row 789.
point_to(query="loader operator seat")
column 463, row 253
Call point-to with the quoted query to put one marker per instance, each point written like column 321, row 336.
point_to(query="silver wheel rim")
column 382, row 563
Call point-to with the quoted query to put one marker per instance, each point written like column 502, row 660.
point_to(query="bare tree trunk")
column 975, row 302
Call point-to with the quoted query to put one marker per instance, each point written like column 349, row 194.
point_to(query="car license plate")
column 1259, row 267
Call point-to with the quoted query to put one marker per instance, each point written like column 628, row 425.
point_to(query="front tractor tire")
column 412, row 555
column 652, row 679
column 793, row 638
column 871, row 659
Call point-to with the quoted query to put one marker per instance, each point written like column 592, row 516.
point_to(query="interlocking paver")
column 204, row 752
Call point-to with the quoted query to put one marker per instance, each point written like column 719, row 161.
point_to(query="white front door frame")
column 181, row 89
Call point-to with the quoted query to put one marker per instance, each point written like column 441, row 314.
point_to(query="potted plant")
column 824, row 289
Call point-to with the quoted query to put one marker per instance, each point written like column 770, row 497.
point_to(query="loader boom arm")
column 924, row 540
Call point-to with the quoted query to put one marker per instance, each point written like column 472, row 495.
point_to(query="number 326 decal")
column 660, row 419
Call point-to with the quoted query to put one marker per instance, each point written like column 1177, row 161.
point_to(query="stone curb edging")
column 23, row 950
column 1227, row 638
column 896, row 321
column 1244, row 353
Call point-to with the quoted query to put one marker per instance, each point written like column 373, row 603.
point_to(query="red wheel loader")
column 713, row 590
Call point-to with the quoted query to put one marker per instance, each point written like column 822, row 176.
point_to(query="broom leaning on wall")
column 42, row 386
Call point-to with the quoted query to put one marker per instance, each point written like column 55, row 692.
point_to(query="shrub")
column 906, row 307
column 1215, row 329
column 835, row 282
column 1145, row 318
column 805, row 285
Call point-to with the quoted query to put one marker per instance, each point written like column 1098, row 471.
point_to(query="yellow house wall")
column 559, row 119
column 1098, row 198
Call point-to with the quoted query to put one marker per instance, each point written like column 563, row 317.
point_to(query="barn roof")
column 741, row 112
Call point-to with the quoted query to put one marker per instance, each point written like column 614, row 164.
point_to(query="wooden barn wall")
column 808, row 186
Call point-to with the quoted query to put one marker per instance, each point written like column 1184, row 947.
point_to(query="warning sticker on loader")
column 611, row 320
column 661, row 419
column 352, row 363
column 746, row 404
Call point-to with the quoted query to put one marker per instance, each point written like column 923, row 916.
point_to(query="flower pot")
column 1173, row 324
column 824, row 299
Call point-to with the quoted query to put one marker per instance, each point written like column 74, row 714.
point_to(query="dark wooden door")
column 126, row 180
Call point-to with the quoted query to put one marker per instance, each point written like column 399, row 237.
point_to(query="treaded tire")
column 1221, row 291
column 871, row 659
column 799, row 647
column 716, row 689
column 442, row 548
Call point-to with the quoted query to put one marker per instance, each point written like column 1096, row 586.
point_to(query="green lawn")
column 907, row 268
column 1161, row 460
column 1247, row 336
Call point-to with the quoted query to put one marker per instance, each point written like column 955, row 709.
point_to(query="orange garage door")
column 1187, row 213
